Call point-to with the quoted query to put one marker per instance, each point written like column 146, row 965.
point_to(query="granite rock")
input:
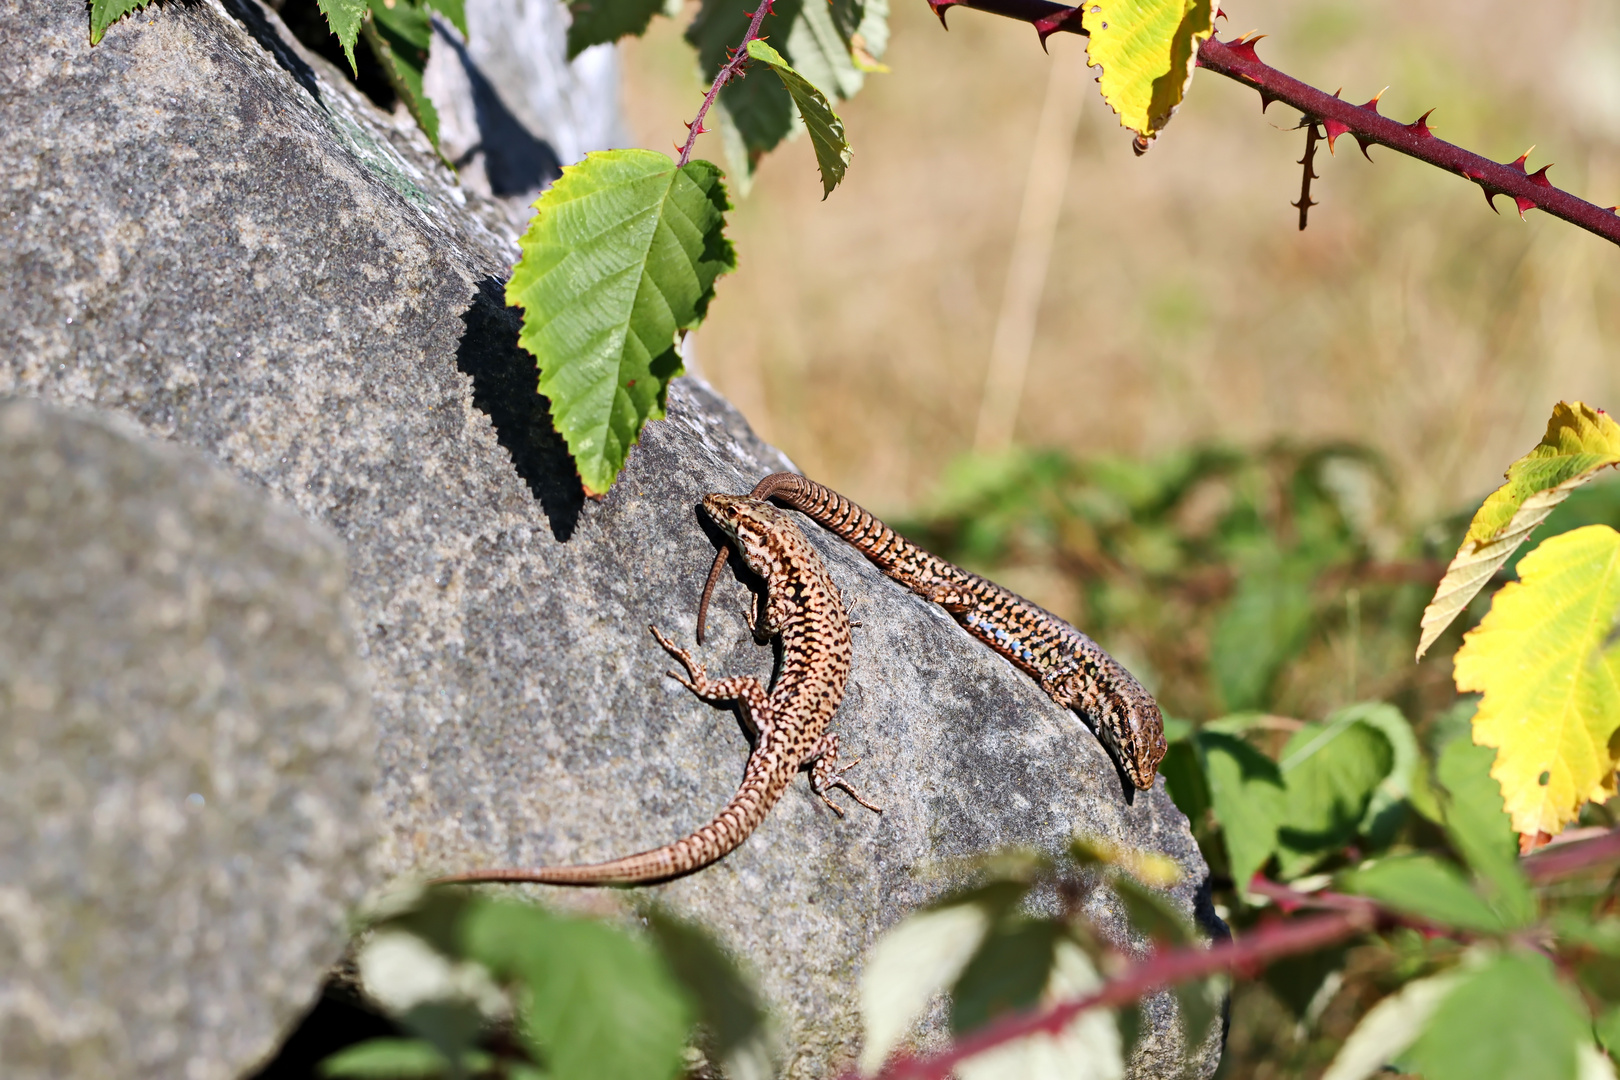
column 186, row 760
column 220, row 241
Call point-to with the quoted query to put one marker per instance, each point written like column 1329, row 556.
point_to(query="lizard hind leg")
column 826, row 773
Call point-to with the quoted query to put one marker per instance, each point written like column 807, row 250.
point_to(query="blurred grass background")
column 1182, row 307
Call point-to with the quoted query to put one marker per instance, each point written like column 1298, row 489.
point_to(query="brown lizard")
column 1073, row 669
column 790, row 721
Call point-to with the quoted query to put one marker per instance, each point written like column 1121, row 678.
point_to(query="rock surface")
column 206, row 231
column 185, row 757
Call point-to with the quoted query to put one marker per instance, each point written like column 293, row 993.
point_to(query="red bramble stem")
column 1237, row 60
column 732, row 68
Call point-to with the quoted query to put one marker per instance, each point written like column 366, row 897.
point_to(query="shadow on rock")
column 504, row 380
column 515, row 161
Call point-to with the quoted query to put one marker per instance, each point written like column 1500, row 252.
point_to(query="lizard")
column 804, row 610
column 1069, row 666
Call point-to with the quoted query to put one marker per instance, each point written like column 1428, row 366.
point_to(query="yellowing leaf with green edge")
column 825, row 128
column 1580, row 441
column 1552, row 690
column 621, row 256
column 1147, row 50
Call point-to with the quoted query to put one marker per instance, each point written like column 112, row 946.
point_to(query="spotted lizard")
column 790, row 721
column 1072, row 668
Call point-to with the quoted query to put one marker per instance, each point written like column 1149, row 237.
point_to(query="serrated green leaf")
column 908, row 966
column 601, row 1004
column 344, row 16
column 1247, row 793
column 1550, row 675
column 103, row 13
column 1508, row 1020
column 621, row 257
column 755, row 115
column 400, row 36
column 825, row 128
column 386, row 1059
column 1579, row 442
column 1147, row 50
column 596, row 22
column 1331, row 772
column 1390, row 1027
column 1089, row 1048
column 1479, row 829
column 1425, row 887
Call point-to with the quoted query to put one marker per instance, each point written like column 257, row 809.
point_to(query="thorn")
column 1244, row 46
column 1334, row 128
column 1364, row 143
column 1266, row 100
column 1420, row 126
column 1373, row 104
column 1539, row 178
column 1615, row 210
column 1053, row 23
column 1490, row 198
column 1219, row 14
column 1519, row 163
column 700, row 130
column 939, row 6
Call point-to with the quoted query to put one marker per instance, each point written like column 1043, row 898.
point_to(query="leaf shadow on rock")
column 515, row 160
column 505, row 381
column 253, row 20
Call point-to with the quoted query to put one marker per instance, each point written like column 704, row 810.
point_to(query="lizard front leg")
column 826, row 774
column 747, row 691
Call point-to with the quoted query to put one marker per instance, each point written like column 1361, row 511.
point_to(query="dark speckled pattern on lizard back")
column 803, row 608
column 1073, row 669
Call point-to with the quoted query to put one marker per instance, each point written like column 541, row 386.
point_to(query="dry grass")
column 1182, row 304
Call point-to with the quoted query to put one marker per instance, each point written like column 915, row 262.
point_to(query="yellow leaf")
column 1580, row 440
column 1147, row 51
column 1552, row 690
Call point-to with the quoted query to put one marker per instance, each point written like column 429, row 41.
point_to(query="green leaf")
column 755, row 115
column 1579, row 441
column 1508, row 1020
column 1544, row 658
column 825, row 128
column 1184, row 780
column 621, row 257
column 1390, row 1027
column 1425, row 887
column 1152, row 913
column 1388, row 805
column 454, row 10
column 1261, row 627
column 1608, row 1030
column 103, row 13
column 1331, row 772
column 1147, row 50
column 400, row 37
column 726, row 1004
column 1248, row 797
column 1089, row 1048
column 908, row 966
column 344, row 17
column 601, row 1004
column 1479, row 829
column 387, row 1059
column 596, row 22
column 1006, row 974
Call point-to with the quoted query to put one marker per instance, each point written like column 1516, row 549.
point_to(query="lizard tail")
column 707, row 845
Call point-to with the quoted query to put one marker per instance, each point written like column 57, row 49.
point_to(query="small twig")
column 732, row 68
column 1312, row 133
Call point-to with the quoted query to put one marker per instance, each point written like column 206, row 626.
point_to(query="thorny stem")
column 1237, row 60
column 1345, row 917
column 1312, row 133
column 732, row 68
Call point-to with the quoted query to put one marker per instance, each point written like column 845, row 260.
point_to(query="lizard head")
column 747, row 522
